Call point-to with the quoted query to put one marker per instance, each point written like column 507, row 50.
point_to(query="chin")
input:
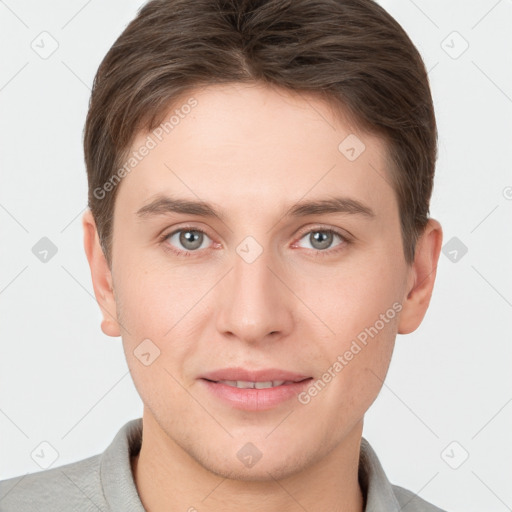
column 263, row 473
column 275, row 467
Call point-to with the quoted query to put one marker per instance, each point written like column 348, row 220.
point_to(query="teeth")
column 244, row 384
column 229, row 382
column 263, row 385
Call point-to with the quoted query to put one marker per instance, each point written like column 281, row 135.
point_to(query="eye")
column 189, row 240
column 322, row 239
column 186, row 240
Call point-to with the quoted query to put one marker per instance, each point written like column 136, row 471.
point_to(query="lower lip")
column 255, row 399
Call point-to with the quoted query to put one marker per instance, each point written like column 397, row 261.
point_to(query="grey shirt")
column 104, row 482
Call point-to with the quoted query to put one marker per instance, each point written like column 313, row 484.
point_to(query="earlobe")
column 422, row 278
column 101, row 276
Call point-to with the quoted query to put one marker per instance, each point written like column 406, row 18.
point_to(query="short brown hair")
column 351, row 53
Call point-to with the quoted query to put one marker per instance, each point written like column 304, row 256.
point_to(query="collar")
column 374, row 483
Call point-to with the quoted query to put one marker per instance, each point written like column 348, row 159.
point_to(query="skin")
column 253, row 152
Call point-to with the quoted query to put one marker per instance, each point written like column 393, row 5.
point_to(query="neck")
column 168, row 479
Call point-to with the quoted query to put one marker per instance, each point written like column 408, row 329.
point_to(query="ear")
column 101, row 276
column 422, row 274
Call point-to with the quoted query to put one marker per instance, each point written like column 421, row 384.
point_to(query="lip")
column 263, row 375
column 254, row 399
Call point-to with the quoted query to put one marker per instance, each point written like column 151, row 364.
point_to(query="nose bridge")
column 254, row 301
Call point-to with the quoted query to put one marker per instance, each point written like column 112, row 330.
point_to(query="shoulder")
column 96, row 484
column 74, row 486
column 410, row 502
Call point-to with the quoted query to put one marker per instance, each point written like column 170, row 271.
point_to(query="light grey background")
column 62, row 381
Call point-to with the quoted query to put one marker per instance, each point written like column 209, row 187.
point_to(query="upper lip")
column 263, row 375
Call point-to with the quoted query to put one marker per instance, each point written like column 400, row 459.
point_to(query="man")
column 259, row 183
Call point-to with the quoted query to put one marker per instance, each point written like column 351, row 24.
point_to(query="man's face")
column 263, row 287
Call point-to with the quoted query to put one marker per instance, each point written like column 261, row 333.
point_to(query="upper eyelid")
column 185, row 228
column 304, row 231
column 336, row 231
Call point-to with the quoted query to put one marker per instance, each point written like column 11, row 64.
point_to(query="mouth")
column 244, row 384
column 254, row 390
column 254, row 376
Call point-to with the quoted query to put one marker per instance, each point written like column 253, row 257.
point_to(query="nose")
column 254, row 304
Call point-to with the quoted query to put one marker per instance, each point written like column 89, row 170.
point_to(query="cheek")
column 162, row 312
column 153, row 301
column 362, row 310
column 155, row 345
column 351, row 298
column 353, row 372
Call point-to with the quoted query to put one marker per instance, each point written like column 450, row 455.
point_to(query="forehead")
column 256, row 145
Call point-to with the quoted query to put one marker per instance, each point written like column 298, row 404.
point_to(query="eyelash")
column 321, row 253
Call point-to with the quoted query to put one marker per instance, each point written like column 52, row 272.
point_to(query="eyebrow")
column 162, row 205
